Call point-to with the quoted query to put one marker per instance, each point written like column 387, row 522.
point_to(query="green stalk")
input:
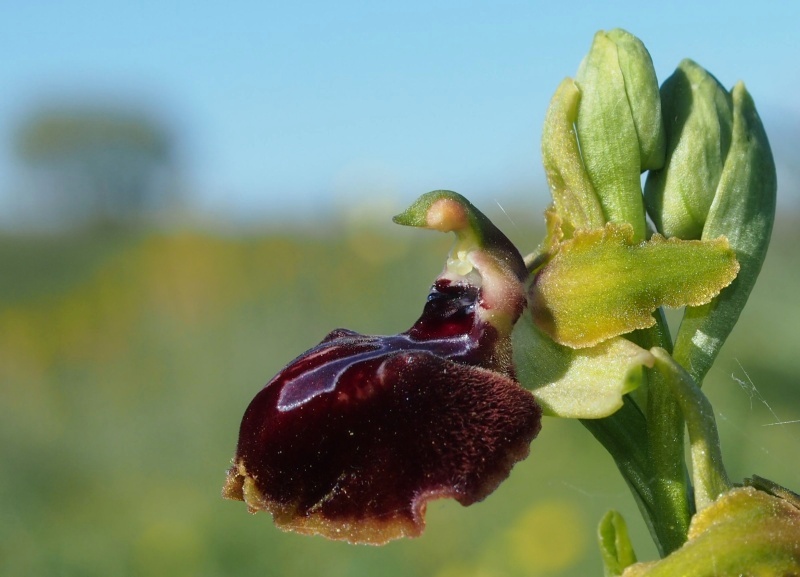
column 708, row 471
column 647, row 447
column 665, row 448
column 667, row 464
column 624, row 435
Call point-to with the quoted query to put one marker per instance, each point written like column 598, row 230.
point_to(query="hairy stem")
column 708, row 472
column 665, row 449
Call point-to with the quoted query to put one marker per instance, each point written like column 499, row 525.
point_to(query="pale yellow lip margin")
column 241, row 486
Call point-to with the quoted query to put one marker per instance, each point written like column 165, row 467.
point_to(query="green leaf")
column 615, row 545
column 601, row 284
column 743, row 210
column 582, row 384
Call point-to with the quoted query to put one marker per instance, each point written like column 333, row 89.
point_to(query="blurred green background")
column 128, row 354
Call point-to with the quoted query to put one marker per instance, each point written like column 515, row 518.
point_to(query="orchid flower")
column 353, row 438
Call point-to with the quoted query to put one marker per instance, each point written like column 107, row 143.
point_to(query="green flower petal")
column 601, row 284
column 580, row 384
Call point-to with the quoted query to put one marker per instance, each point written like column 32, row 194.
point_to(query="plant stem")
column 708, row 472
column 623, row 435
column 665, row 449
column 647, row 445
column 667, row 463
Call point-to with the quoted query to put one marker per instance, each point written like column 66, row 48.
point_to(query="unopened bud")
column 699, row 121
column 619, row 124
column 743, row 211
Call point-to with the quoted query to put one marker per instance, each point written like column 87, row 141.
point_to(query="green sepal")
column 615, row 544
column 601, row 284
column 744, row 532
column 743, row 210
column 619, row 124
column 699, row 122
column 580, row 384
column 574, row 196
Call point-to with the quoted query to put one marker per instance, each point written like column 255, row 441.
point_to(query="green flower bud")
column 699, row 122
column 619, row 124
column 743, row 210
column 744, row 532
column 641, row 89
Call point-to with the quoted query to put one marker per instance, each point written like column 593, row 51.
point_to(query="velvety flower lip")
column 353, row 438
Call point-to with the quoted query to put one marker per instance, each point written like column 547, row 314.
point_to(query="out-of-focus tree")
column 95, row 165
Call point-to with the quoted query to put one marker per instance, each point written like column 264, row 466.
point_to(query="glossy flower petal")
column 352, row 438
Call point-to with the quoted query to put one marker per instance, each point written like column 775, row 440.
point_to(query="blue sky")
column 286, row 107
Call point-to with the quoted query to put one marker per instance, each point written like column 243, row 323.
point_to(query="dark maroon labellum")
column 352, row 438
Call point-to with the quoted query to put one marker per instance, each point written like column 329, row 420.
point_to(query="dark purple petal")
column 360, row 460
column 352, row 438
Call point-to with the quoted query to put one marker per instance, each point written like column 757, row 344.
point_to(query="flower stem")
column 623, row 435
column 665, row 448
column 667, row 464
column 708, row 471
